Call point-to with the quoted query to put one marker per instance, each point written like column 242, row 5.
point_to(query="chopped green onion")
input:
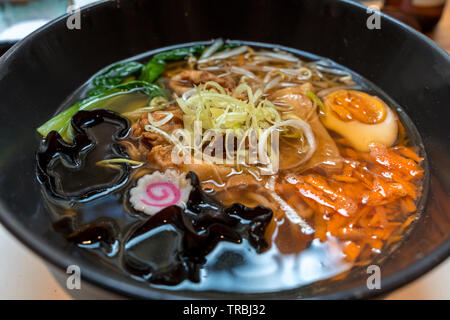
column 116, row 161
column 315, row 99
column 219, row 111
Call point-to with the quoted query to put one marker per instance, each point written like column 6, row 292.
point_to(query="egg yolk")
column 356, row 105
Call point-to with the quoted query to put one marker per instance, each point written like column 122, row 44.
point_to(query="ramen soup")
column 232, row 168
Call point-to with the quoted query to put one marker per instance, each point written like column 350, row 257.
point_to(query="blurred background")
column 24, row 276
column 19, row 18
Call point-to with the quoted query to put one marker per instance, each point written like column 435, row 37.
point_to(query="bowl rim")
column 91, row 275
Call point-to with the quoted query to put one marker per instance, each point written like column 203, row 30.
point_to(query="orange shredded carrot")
column 392, row 160
column 375, row 191
column 393, row 239
column 408, row 205
column 351, row 251
column 376, row 244
column 320, row 227
column 344, row 178
column 407, row 222
column 408, row 153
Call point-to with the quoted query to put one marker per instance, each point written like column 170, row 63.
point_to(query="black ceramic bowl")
column 38, row 73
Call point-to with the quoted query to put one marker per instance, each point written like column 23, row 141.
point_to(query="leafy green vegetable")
column 150, row 89
column 61, row 122
column 121, row 79
column 153, row 70
column 178, row 54
column 115, row 75
column 156, row 66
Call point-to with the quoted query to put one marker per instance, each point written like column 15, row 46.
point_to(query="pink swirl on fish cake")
column 161, row 194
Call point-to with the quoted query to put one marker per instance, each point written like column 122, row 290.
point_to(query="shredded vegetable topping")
column 243, row 110
column 118, row 161
column 218, row 110
column 367, row 204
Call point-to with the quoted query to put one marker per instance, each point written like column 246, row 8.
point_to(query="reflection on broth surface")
column 346, row 186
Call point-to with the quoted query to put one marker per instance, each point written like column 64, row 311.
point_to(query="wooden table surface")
column 441, row 34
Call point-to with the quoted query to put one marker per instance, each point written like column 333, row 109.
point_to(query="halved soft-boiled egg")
column 360, row 118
